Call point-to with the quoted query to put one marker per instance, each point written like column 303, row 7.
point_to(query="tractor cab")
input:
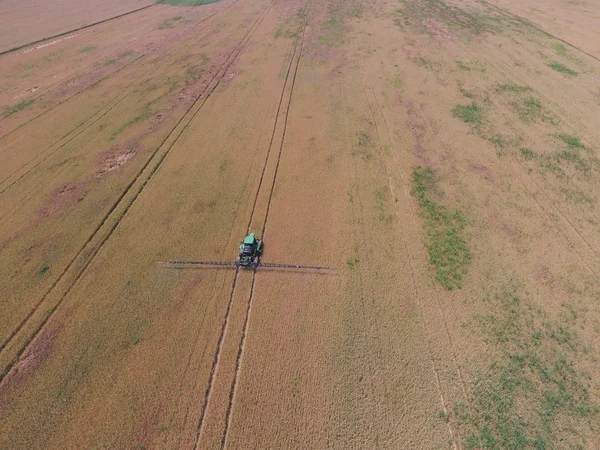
column 250, row 250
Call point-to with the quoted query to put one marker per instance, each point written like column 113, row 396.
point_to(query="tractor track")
column 359, row 235
column 524, row 175
column 251, row 296
column 27, row 317
column 93, row 251
column 89, row 122
column 49, row 89
column 91, row 85
column 521, row 173
column 14, row 49
column 227, row 312
column 416, row 296
column 127, row 91
column 214, row 368
column 528, row 23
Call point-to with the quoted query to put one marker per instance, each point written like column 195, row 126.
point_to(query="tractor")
column 250, row 250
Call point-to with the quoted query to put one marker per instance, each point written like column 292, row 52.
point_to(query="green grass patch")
column 529, row 109
column 43, row 270
column 462, row 66
column 333, row 31
column 511, row 87
column 167, row 23
column 465, row 93
column 423, row 62
column 577, row 196
column 472, row 65
column 550, row 164
column 332, row 22
column 352, row 262
column 87, row 49
column 9, row 110
column 527, row 154
column 472, row 113
column 125, row 54
column 108, row 62
column 571, row 141
column 447, row 248
column 499, row 141
column 560, row 49
column 364, row 138
column 418, row 14
column 355, row 11
column 532, row 395
column 573, row 156
column 146, row 113
column 277, row 33
column 380, row 203
column 397, row 80
column 562, row 69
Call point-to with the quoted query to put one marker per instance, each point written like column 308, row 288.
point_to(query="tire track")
column 49, row 88
column 14, row 49
column 110, row 105
column 216, row 359
column 451, row 431
column 137, row 82
column 129, row 90
column 532, row 25
column 89, row 255
column 525, row 175
column 251, row 296
column 235, row 276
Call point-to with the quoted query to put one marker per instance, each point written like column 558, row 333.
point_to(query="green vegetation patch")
column 448, row 250
column 532, row 395
column 332, row 32
column 380, row 197
column 574, row 154
column 472, row 113
column 397, row 80
column 145, row 114
column 527, row 154
column 43, row 270
column 87, row 49
column 560, row 49
column 462, row 66
column 355, row 11
column 423, row 62
column 420, row 14
column 511, row 87
column 9, row 110
column 528, row 109
column 577, row 196
column 571, row 141
column 562, row 69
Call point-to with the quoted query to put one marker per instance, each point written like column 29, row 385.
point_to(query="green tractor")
column 250, row 250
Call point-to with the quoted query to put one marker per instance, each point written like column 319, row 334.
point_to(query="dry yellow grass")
column 441, row 154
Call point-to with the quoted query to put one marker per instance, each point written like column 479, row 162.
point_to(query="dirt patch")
column 116, row 156
column 544, row 276
column 61, row 197
column 190, row 285
column 438, row 30
column 483, row 170
column 33, row 357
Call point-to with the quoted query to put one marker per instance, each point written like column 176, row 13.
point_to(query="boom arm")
column 233, row 264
